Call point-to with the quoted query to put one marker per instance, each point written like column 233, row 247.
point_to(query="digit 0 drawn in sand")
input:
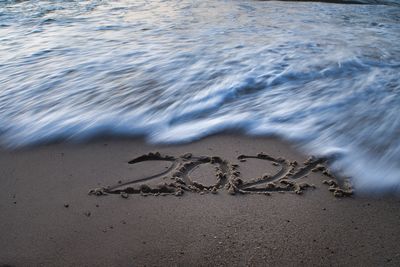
column 178, row 178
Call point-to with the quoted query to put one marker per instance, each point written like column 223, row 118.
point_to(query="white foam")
column 325, row 77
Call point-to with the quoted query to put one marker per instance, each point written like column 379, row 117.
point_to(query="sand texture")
column 225, row 200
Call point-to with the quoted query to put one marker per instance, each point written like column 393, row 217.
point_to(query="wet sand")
column 224, row 200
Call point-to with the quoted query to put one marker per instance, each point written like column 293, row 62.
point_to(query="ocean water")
column 323, row 75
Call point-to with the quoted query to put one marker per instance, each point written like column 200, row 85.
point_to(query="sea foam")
column 322, row 75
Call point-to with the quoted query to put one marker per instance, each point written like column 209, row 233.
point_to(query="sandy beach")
column 271, row 208
column 162, row 133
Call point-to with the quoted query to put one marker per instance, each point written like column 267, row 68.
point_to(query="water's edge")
column 324, row 76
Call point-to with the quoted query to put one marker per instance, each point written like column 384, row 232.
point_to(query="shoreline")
column 48, row 217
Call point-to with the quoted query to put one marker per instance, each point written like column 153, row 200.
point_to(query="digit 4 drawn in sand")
column 227, row 176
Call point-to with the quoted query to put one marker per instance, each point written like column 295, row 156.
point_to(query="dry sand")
column 225, row 204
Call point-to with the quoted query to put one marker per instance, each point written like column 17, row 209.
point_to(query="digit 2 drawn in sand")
column 227, row 176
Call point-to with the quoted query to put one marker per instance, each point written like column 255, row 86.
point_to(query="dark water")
column 324, row 75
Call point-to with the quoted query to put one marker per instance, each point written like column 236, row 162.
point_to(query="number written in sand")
column 178, row 178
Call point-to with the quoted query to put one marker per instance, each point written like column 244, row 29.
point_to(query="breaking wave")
column 322, row 75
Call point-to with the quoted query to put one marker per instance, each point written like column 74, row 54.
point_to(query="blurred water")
column 323, row 75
